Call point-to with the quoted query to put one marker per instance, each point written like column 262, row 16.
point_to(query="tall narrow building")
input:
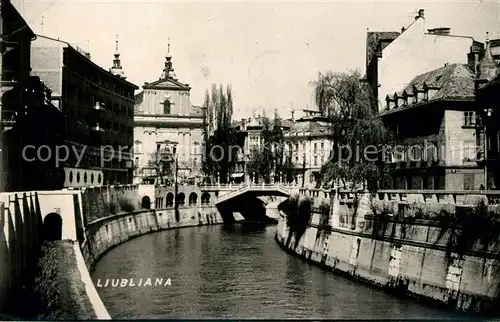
column 487, row 90
column 98, row 105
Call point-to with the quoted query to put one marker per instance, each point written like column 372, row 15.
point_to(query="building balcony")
column 97, row 128
column 98, row 106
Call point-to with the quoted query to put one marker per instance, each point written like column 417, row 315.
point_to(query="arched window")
column 166, row 107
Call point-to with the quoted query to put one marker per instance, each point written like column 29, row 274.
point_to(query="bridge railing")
column 244, row 185
column 261, row 187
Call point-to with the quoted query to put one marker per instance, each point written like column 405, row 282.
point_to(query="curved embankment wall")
column 103, row 234
column 406, row 251
column 50, row 241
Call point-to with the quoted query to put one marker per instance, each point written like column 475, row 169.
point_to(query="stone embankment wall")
column 439, row 246
column 50, row 241
column 105, row 233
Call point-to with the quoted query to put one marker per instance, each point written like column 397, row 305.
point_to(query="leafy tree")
column 162, row 162
column 358, row 133
column 269, row 159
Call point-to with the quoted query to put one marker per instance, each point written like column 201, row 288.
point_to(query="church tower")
column 117, row 69
column 168, row 71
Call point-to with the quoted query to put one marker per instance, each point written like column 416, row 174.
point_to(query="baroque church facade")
column 165, row 120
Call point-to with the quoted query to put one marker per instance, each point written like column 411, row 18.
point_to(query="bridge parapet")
column 256, row 188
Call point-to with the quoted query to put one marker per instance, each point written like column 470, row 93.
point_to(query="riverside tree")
column 269, row 159
column 220, row 138
column 358, row 133
column 162, row 163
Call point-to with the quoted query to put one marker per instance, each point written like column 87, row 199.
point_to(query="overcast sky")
column 268, row 51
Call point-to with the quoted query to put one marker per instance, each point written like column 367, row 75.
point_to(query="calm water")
column 238, row 272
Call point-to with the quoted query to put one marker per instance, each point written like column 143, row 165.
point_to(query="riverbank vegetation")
column 59, row 293
column 357, row 132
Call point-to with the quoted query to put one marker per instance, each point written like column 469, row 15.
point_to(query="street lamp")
column 487, row 112
column 303, row 170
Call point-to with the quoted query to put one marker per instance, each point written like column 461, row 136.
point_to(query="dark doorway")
column 146, row 202
column 52, row 227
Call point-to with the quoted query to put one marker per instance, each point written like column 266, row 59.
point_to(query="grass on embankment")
column 59, row 290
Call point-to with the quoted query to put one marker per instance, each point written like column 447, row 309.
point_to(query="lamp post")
column 487, row 113
column 176, row 185
column 303, row 170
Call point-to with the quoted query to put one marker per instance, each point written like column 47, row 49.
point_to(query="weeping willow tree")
column 219, row 137
column 358, row 133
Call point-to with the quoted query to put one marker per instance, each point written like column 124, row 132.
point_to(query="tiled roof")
column 139, row 97
column 455, row 81
column 452, row 82
column 313, row 127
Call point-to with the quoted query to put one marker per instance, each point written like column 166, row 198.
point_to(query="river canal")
column 236, row 272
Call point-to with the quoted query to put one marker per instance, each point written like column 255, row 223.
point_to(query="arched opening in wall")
column 146, row 202
column 170, row 199
column 205, row 198
column 193, row 198
column 52, row 227
column 181, row 199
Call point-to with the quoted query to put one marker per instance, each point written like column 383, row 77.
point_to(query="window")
column 468, row 181
column 195, row 161
column 322, row 145
column 315, row 147
column 469, row 118
column 166, row 107
column 469, row 150
column 315, row 160
column 157, row 147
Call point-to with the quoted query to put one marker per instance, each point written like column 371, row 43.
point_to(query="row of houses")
column 436, row 92
column 59, row 110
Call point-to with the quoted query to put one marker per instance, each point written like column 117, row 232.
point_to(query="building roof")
column 16, row 20
column 168, row 83
column 83, row 56
column 488, row 69
column 451, row 82
column 139, row 97
column 309, row 127
column 454, row 81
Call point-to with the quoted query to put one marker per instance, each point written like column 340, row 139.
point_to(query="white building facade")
column 163, row 112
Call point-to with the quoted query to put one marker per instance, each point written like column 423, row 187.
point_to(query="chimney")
column 439, row 31
column 403, row 29
column 420, row 14
column 473, row 60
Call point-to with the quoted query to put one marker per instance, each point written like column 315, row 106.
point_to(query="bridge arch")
column 146, row 202
column 181, row 199
column 52, row 227
column 170, row 199
column 193, row 199
column 205, row 198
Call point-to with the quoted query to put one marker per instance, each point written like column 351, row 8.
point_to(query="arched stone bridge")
column 227, row 198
